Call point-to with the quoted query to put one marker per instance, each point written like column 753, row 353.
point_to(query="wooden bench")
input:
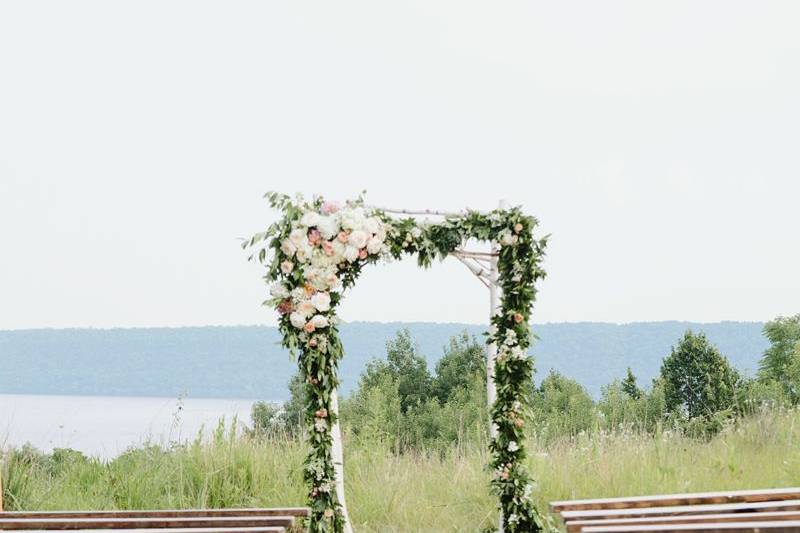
column 772, row 510
column 277, row 520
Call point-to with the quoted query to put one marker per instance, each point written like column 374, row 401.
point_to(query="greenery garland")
column 318, row 249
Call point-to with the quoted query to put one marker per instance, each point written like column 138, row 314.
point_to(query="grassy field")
column 411, row 492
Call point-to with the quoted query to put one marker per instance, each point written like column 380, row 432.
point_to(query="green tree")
column 698, row 381
column 779, row 360
column 629, row 386
column 562, row 407
column 404, row 366
column 463, row 363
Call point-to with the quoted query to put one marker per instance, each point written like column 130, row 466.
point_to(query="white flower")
column 297, row 320
column 288, row 247
column 372, row 225
column 310, row 219
column 298, row 237
column 305, row 308
column 358, row 238
column 320, row 424
column 304, row 251
column 508, row 239
column 278, row 290
column 374, row 246
column 298, row 294
column 322, row 301
column 513, row 446
column 287, row 267
column 328, row 227
column 350, row 253
column 513, row 518
column 319, row 321
column 416, row 233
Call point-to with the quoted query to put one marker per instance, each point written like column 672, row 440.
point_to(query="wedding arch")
column 317, row 250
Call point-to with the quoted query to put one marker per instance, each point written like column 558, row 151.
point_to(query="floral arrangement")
column 317, row 250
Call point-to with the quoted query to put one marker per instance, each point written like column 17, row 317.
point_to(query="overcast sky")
column 659, row 143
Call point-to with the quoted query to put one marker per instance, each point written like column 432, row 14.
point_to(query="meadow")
column 411, row 491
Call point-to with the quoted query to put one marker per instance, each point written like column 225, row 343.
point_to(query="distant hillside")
column 246, row 361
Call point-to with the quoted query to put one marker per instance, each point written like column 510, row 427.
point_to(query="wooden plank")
column 664, row 500
column 160, row 513
column 140, row 523
column 679, row 510
column 776, row 516
column 269, row 529
column 789, row 526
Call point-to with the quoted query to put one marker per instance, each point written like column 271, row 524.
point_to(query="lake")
column 105, row 426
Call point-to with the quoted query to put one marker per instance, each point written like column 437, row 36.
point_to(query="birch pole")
column 494, row 309
column 337, row 453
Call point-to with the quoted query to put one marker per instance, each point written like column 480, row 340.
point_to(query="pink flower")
column 309, row 327
column 330, row 207
column 313, row 236
column 342, row 237
column 285, row 307
column 322, row 413
column 287, row 267
column 517, row 227
column 362, row 253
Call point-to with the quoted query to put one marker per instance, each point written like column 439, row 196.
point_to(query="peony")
column 350, row 253
column 358, row 238
column 330, row 207
column 319, row 321
column 306, row 308
column 372, row 225
column 297, row 320
column 328, row 227
column 310, row 219
column 287, row 267
column 374, row 246
column 322, row 301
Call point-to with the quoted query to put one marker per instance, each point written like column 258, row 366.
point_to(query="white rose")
column 328, row 227
column 350, row 253
column 298, row 237
column 374, row 246
column 304, row 252
column 322, row 301
column 358, row 238
column 288, row 247
column 278, row 290
column 372, row 225
column 287, row 267
column 305, row 308
column 513, row 446
column 333, row 281
column 310, row 219
column 319, row 321
column 297, row 320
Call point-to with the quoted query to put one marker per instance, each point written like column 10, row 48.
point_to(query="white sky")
column 657, row 141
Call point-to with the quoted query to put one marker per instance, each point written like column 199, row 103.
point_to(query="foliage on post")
column 319, row 248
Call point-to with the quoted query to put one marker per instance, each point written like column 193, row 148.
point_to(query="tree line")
column 398, row 401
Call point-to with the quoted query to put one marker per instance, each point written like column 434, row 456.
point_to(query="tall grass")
column 415, row 491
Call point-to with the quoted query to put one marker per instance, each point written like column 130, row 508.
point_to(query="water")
column 105, row 426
